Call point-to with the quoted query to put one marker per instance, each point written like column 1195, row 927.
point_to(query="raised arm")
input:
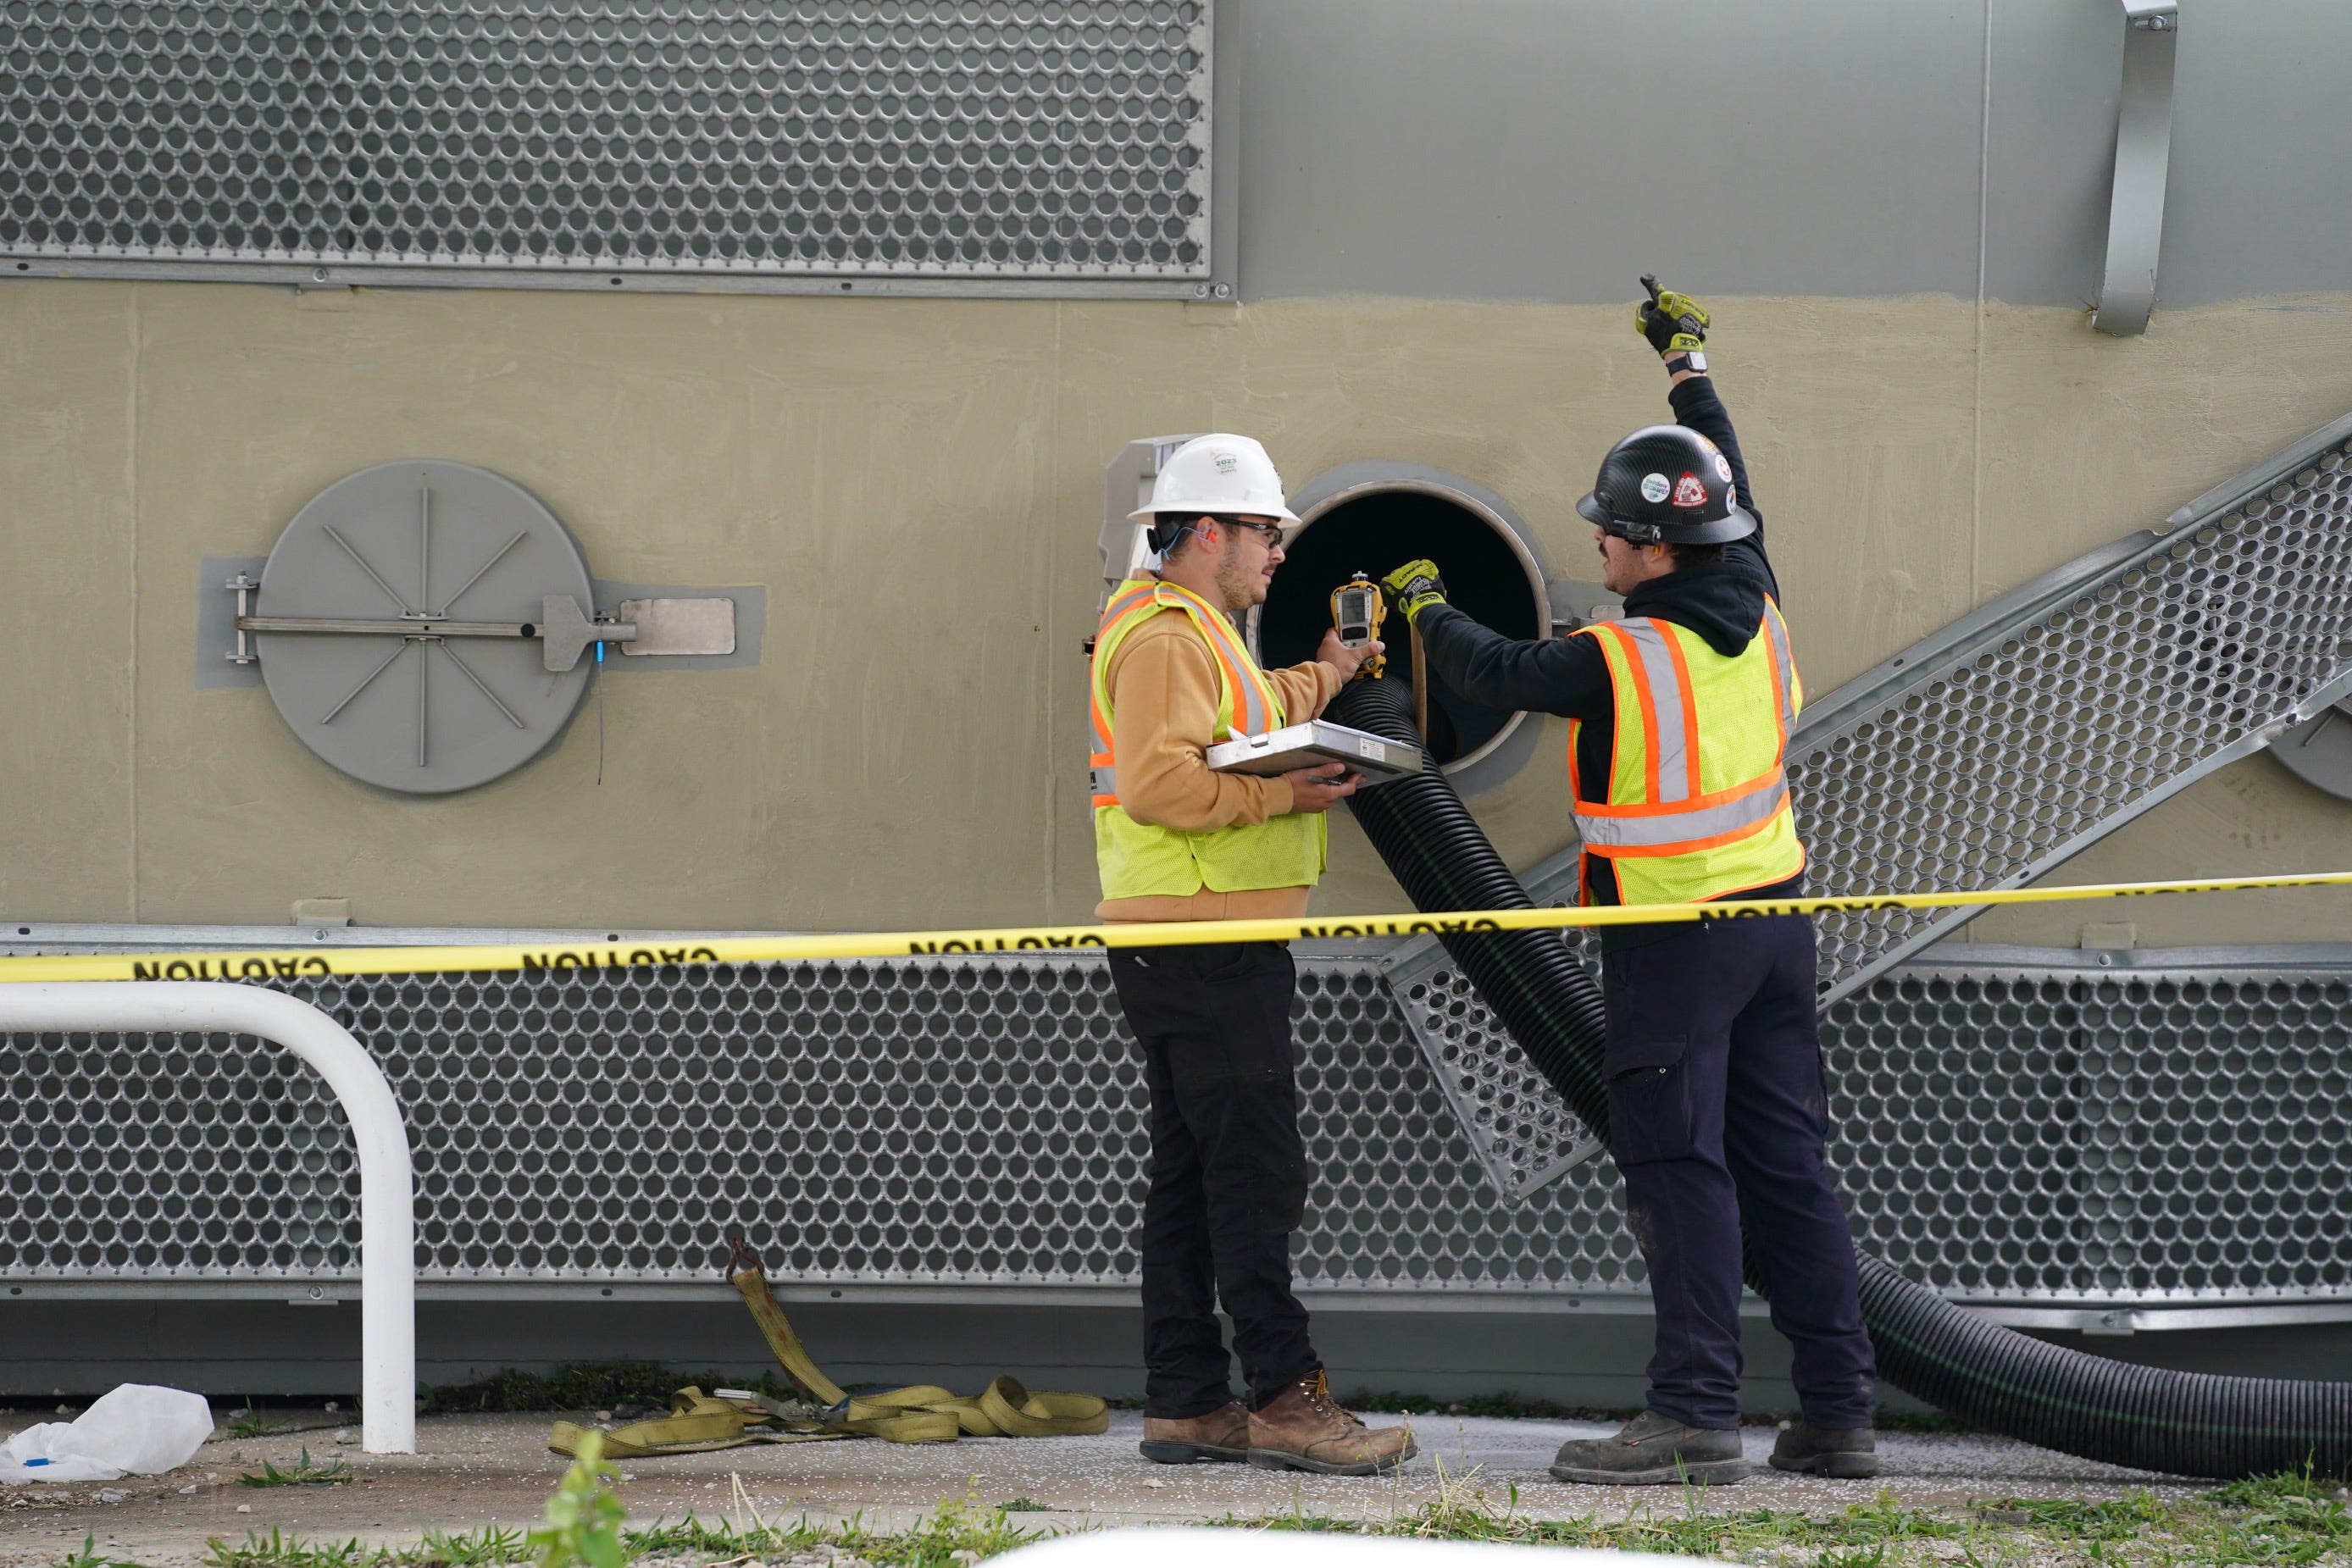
column 1676, row 325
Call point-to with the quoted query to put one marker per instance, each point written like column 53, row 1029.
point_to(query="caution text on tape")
column 299, row 963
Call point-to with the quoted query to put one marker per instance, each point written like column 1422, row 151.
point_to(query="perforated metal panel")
column 958, row 1121
column 1522, row 1128
column 2008, row 742
column 1992, row 751
column 2013, row 1132
column 2022, row 1133
column 721, row 138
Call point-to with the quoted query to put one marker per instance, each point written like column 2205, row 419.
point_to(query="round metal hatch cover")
column 2319, row 750
column 421, row 714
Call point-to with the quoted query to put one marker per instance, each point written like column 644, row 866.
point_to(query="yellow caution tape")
column 299, row 963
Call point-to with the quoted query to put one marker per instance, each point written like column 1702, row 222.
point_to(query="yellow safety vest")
column 1698, row 800
column 1139, row 860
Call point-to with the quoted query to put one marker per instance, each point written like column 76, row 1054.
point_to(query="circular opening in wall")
column 1374, row 519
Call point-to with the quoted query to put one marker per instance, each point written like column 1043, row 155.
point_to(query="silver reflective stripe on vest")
column 1778, row 635
column 1672, row 735
column 1687, row 827
column 1106, row 781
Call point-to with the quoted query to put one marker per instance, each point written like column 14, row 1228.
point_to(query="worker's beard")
column 1239, row 584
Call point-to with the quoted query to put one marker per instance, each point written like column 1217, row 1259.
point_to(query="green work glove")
column 1674, row 324
column 1413, row 586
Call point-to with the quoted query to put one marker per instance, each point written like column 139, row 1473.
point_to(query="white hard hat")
column 1227, row 475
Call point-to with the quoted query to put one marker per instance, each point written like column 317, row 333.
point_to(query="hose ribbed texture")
column 2181, row 1423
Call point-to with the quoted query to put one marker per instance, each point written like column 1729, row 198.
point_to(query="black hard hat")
column 1667, row 484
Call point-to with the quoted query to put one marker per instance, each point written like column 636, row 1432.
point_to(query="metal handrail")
column 387, row 1197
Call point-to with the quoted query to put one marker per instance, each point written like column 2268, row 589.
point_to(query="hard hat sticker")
column 1723, row 466
column 1654, row 488
column 1690, row 491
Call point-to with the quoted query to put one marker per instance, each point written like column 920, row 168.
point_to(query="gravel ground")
column 475, row 1470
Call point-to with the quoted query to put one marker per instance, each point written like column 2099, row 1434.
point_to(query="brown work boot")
column 1304, row 1428
column 1222, row 1435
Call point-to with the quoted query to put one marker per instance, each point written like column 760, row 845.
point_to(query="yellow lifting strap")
column 750, row 1278
column 696, row 1423
column 920, row 1413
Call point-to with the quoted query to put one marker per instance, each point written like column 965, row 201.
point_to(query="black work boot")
column 1849, row 1453
column 1653, row 1450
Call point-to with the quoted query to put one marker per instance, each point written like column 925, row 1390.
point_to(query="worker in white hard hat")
column 1173, row 840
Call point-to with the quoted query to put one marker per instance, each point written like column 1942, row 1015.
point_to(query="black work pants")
column 1228, row 1170
column 1718, row 1116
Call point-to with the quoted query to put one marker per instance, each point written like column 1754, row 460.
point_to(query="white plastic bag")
column 137, row 1429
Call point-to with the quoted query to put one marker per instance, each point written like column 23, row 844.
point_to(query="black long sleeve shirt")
column 1722, row 601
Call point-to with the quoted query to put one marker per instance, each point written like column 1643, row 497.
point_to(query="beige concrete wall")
column 876, row 463
column 67, row 358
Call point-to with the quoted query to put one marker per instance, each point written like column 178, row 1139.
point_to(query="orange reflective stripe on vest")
column 1102, row 770
column 1668, row 724
column 1247, row 702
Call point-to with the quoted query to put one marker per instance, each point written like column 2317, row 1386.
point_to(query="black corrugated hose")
column 2191, row 1424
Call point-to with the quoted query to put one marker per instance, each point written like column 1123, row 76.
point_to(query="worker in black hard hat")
column 1679, row 717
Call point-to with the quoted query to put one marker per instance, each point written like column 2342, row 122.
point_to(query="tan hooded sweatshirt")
column 1163, row 692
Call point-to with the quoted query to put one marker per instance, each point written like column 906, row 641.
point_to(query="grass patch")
column 91, row 1557
column 253, row 1424
column 306, row 1472
column 2284, row 1522
column 280, row 1551
column 468, row 1549
column 2278, row 1522
column 960, row 1531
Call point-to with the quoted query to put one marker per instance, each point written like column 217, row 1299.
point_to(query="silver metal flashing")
column 2143, row 151
column 2132, row 1320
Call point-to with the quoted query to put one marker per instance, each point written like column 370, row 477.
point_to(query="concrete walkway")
column 477, row 1470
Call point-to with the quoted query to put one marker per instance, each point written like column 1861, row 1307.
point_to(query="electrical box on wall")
column 1127, row 485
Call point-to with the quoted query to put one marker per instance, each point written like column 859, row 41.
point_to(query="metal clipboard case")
column 1297, row 745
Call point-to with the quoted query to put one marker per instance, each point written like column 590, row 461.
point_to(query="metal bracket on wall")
column 2143, row 148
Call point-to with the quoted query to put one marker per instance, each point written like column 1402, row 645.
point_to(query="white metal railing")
column 387, row 1201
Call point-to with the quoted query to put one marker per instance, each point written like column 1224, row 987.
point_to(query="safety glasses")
column 1270, row 532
